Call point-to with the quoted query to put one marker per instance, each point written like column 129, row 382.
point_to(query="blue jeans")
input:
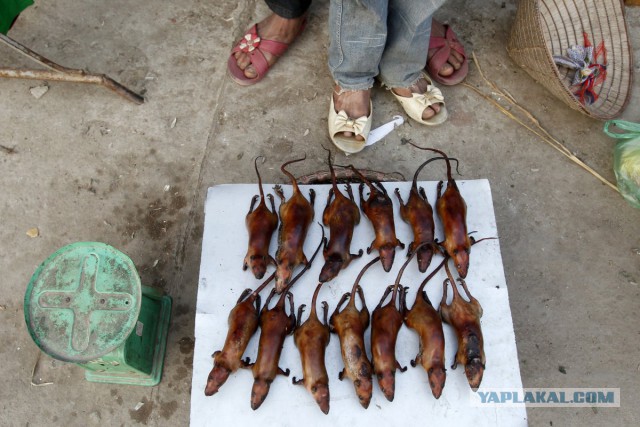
column 389, row 38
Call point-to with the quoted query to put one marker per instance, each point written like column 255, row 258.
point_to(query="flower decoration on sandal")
column 249, row 42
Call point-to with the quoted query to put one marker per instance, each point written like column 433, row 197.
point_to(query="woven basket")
column 544, row 28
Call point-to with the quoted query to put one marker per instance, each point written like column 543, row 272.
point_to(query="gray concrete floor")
column 88, row 165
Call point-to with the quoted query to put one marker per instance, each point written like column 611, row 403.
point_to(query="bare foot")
column 276, row 28
column 355, row 103
column 455, row 59
column 418, row 87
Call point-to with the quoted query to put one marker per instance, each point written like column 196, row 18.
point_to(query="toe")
column 457, row 55
column 242, row 60
column 455, row 59
column 250, row 72
column 446, row 70
column 352, row 135
column 428, row 113
column 431, row 111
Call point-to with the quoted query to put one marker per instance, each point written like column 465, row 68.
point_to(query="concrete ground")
column 82, row 164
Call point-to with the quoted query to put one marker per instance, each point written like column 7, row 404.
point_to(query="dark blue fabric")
column 288, row 9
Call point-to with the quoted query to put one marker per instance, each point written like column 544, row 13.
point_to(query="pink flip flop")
column 441, row 56
column 253, row 45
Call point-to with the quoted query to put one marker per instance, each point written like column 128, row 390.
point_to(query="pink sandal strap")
column 449, row 41
column 251, row 42
column 443, row 46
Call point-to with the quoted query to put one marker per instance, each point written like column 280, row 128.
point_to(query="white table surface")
column 222, row 280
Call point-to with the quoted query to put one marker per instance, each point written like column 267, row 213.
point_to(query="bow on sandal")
column 340, row 122
column 254, row 46
column 415, row 106
column 443, row 47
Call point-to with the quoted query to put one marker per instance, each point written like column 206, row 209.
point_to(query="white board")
column 222, row 280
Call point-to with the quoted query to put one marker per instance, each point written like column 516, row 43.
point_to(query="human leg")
column 402, row 63
column 358, row 33
column 409, row 29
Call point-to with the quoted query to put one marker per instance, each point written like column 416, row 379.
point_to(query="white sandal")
column 415, row 106
column 341, row 122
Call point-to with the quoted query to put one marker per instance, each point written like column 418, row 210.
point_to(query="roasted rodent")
column 465, row 318
column 312, row 338
column 425, row 320
column 379, row 209
column 350, row 324
column 418, row 213
column 261, row 223
column 275, row 325
column 296, row 215
column 243, row 323
column 386, row 322
column 341, row 216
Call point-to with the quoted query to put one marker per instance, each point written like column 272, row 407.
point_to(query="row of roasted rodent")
column 350, row 324
column 312, row 336
column 342, row 214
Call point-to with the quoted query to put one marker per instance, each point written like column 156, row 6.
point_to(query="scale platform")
column 85, row 304
column 222, row 280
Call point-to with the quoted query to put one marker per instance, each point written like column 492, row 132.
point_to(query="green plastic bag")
column 9, row 9
column 626, row 159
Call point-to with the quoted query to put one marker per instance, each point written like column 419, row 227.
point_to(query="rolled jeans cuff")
column 353, row 87
column 391, row 85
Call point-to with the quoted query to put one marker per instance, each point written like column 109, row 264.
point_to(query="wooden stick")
column 57, row 72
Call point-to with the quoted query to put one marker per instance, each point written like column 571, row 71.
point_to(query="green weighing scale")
column 85, row 305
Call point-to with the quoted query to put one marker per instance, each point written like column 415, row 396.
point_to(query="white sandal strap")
column 340, row 122
column 415, row 106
